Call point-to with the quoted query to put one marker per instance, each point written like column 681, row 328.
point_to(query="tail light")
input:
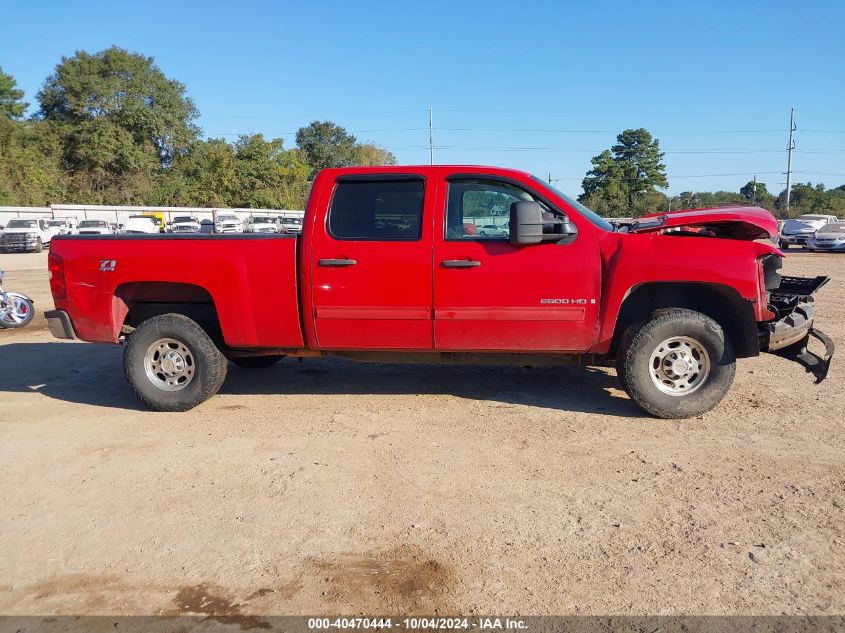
column 57, row 276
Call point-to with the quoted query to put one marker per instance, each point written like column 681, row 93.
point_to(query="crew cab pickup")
column 390, row 266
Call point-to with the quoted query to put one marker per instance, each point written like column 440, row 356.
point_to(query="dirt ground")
column 329, row 487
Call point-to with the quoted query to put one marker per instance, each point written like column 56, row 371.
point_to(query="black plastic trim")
column 379, row 177
column 60, row 324
column 811, row 362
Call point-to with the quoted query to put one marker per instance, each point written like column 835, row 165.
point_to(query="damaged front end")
column 788, row 334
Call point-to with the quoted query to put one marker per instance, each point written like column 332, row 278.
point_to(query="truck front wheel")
column 677, row 365
column 172, row 364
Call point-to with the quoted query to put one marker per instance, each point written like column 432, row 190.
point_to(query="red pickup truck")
column 392, row 265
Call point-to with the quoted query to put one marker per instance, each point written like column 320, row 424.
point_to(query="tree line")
column 111, row 128
column 625, row 179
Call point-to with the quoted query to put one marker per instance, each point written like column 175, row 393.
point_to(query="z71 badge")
column 107, row 265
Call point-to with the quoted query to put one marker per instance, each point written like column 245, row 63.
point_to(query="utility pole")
column 754, row 190
column 431, row 134
column 550, row 177
column 789, row 148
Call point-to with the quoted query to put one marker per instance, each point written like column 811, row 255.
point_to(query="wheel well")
column 721, row 303
column 138, row 301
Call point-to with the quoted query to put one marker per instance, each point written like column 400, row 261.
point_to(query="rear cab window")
column 384, row 209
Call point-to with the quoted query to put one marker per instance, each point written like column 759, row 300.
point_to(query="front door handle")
column 337, row 262
column 460, row 263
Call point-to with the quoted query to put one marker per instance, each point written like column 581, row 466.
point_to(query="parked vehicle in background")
column 290, row 225
column 140, row 224
column 206, row 226
column 387, row 269
column 491, row 230
column 25, row 235
column 798, row 231
column 228, row 223
column 261, row 224
column 157, row 218
column 63, row 226
column 831, row 237
column 185, row 224
column 94, row 227
column 16, row 309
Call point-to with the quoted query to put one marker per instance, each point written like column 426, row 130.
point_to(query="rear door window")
column 377, row 210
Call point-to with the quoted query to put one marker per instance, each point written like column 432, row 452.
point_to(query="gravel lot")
column 323, row 486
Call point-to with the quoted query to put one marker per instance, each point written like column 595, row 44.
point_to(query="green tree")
column 757, row 194
column 625, row 178
column 12, row 105
column 31, row 171
column 371, row 155
column 326, row 144
column 640, row 159
column 206, row 176
column 122, row 124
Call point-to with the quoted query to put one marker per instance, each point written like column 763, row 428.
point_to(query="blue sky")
column 541, row 86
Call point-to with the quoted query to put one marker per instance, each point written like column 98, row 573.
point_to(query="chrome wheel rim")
column 16, row 311
column 169, row 364
column 679, row 366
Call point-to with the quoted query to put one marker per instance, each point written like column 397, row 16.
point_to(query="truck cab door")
column 492, row 295
column 371, row 264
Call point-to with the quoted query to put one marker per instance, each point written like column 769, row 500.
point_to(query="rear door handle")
column 337, row 262
column 459, row 263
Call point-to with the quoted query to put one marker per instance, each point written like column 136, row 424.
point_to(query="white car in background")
column 185, row 224
column 26, row 234
column 140, row 224
column 798, row 231
column 228, row 223
column 290, row 225
column 94, row 227
column 62, row 226
column 492, row 230
column 261, row 224
column 831, row 237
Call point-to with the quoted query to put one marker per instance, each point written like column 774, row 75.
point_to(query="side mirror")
column 528, row 226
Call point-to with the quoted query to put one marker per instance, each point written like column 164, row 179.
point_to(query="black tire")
column 209, row 364
column 255, row 362
column 634, row 363
column 39, row 246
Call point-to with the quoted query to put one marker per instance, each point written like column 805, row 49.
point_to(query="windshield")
column 55, row 222
column 90, row 223
column 833, row 227
column 22, row 224
column 593, row 217
column 184, row 218
column 293, row 221
column 263, row 220
column 226, row 218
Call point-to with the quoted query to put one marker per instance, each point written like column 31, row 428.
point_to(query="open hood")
column 738, row 223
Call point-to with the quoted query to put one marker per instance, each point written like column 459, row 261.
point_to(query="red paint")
column 398, row 295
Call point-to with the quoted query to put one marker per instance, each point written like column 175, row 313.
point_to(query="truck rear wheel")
column 172, row 364
column 39, row 246
column 677, row 365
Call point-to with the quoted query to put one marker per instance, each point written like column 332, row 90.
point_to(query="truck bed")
column 250, row 278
